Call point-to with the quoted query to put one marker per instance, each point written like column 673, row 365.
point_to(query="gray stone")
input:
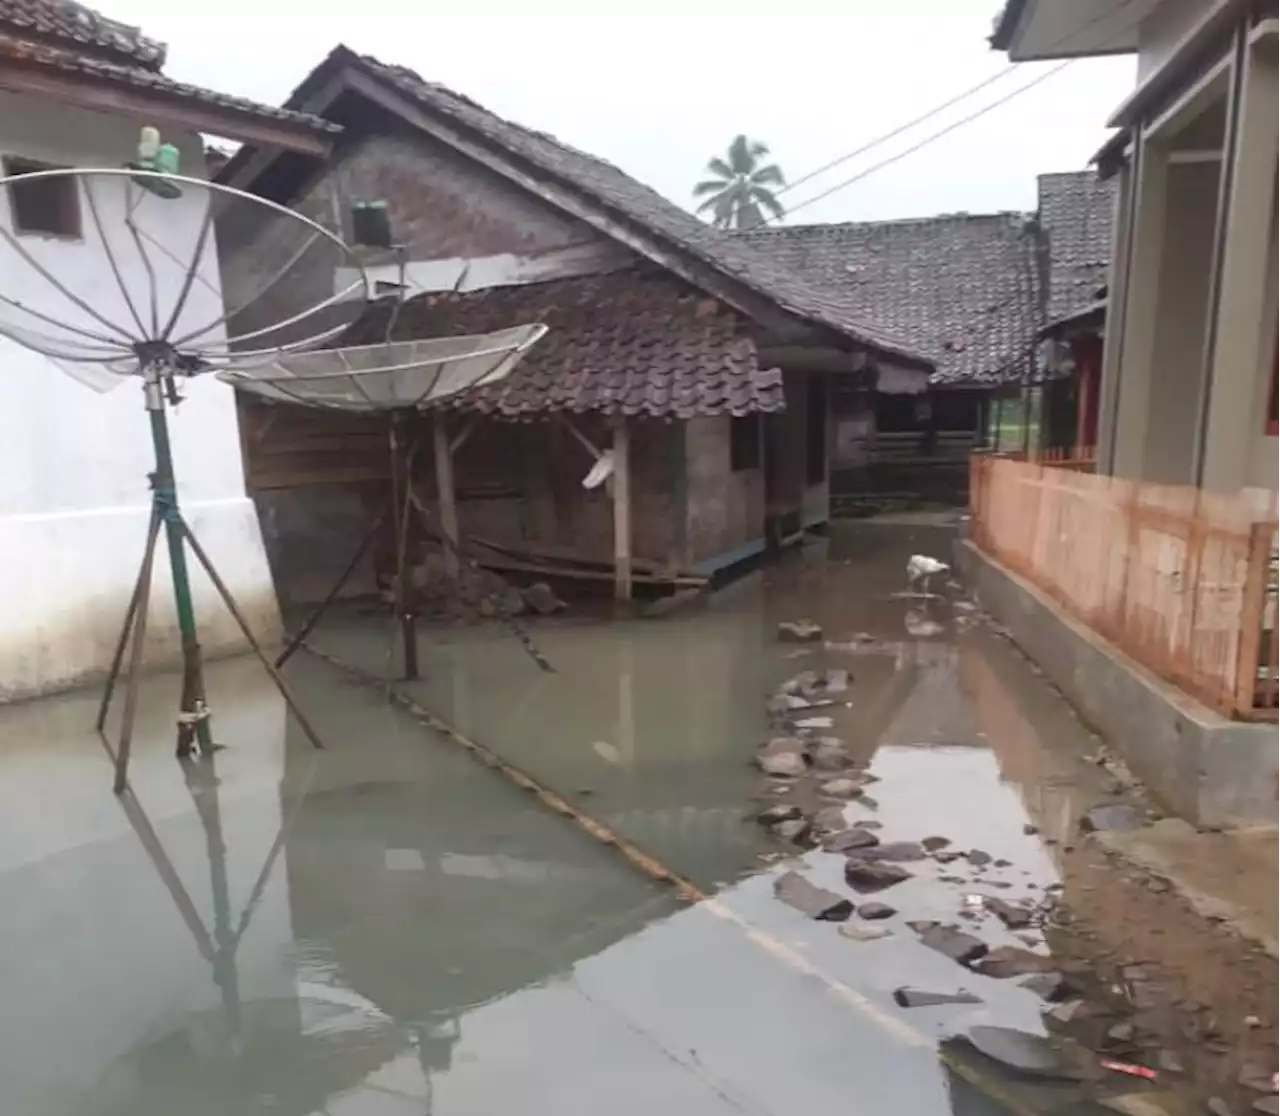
column 1170, row 1062
column 1270, row 1105
column 773, row 815
column 801, row 683
column 859, row 932
column 814, row 723
column 831, row 820
column 1122, row 1032
column 946, row 856
column 899, row 850
column 866, row 876
column 542, row 599
column 799, row 631
column 1030, row 830
column 1020, row 1050
column 509, row 602
column 847, row 840
column 920, row 925
column 873, row 912
column 960, row 947
column 1048, row 986
column 1113, row 816
column 798, row 831
column 782, row 756
column 1011, row 961
column 977, row 857
column 1012, row 915
column 933, row 844
column 830, row 754
column 1218, row 1107
column 813, row 901
column 841, row 788
column 916, row 997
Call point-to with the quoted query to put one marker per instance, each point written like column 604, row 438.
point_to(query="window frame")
column 742, row 459
column 70, row 210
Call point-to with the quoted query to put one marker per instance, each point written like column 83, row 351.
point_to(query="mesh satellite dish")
column 398, row 379
column 156, row 313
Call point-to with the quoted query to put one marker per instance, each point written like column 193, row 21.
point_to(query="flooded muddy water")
column 390, row 927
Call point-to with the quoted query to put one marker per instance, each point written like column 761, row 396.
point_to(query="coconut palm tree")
column 742, row 189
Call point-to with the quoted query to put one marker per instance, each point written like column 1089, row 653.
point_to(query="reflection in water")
column 388, row 927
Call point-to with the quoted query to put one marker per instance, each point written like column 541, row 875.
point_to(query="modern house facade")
column 75, row 89
column 1189, row 369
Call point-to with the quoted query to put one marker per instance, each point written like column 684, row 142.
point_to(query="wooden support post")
column 445, row 492
column 1084, row 391
column 621, row 510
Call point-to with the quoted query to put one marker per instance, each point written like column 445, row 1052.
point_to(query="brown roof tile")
column 633, row 342
column 629, row 201
column 962, row 288
column 80, row 28
column 73, row 39
column 1076, row 213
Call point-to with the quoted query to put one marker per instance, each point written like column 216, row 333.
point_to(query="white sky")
column 659, row 87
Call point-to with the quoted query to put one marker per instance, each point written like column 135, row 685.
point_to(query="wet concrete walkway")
column 391, row 928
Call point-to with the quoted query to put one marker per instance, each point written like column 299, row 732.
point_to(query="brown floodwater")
column 389, row 927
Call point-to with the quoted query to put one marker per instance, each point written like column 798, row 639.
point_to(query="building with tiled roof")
column 76, row 88
column 715, row 358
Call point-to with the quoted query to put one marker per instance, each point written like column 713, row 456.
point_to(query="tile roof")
column 634, row 342
column 1076, row 212
column 634, row 203
column 80, row 28
column 962, row 288
column 72, row 39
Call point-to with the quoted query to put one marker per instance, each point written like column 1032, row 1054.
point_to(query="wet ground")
column 392, row 927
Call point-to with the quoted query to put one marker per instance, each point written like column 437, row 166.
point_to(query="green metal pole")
column 165, row 495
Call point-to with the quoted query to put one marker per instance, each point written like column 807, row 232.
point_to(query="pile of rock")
column 476, row 593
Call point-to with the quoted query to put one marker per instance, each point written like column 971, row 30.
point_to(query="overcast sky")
column 658, row 88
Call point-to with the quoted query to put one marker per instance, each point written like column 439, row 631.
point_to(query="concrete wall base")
column 67, row 580
column 1201, row 766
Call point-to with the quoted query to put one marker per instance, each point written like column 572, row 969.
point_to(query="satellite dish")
column 392, row 376
column 157, row 313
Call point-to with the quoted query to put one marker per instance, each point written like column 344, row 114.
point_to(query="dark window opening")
column 744, row 443
column 816, row 430
column 42, row 206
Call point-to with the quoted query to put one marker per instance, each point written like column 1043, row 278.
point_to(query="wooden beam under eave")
column 622, row 573
column 150, row 108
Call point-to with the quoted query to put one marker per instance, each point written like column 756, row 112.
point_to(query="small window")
column 43, row 206
column 744, row 443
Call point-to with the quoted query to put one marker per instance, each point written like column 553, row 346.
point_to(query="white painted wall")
column 73, row 463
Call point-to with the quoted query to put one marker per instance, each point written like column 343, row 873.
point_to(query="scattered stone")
column 782, row 756
column 831, row 820
column 1219, row 1107
column 1002, row 863
column 1012, row 915
column 830, row 754
column 1019, row 1050
column 867, row 876
column 1068, row 1012
column 799, row 631
column 542, row 599
column 899, row 850
column 1123, row 1032
column 915, row 997
column 960, row 947
column 1253, row 1021
column 773, row 815
column 977, row 857
column 1256, row 1076
column 1113, row 816
column 841, row 788
column 933, row 844
column 1269, row 1105
column 509, row 602
column 1170, row 1062
column 1012, row 961
column 1030, row 830
column 813, row 901
column 858, row 837
column 868, row 823
column 946, row 856
column 920, row 925
column 814, row 723
column 873, row 912
column 859, row 933
column 1049, row 986
column 798, row 831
